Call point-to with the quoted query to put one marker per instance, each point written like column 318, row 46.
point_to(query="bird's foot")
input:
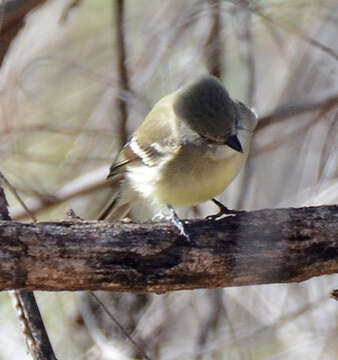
column 223, row 210
column 178, row 222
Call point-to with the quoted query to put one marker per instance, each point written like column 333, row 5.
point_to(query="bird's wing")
column 155, row 140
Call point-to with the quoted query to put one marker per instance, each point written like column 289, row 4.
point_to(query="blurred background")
column 78, row 79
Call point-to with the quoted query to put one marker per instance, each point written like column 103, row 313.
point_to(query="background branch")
column 285, row 111
column 265, row 246
column 123, row 81
column 13, row 13
column 214, row 44
column 33, row 327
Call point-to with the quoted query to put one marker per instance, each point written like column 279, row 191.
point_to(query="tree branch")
column 265, row 246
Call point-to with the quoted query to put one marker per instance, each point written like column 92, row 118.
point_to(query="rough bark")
column 259, row 247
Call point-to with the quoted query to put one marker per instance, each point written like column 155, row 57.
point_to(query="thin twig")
column 14, row 192
column 121, row 328
column 329, row 147
column 278, row 324
column 83, row 185
column 122, row 71
column 299, row 33
column 57, row 130
column 283, row 112
column 247, row 52
column 295, row 134
column 293, row 29
column 212, row 322
column 69, row 7
column 246, row 48
column 213, row 49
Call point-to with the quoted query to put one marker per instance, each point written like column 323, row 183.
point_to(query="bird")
column 189, row 148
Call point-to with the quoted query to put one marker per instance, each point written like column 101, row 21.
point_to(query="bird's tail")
column 120, row 204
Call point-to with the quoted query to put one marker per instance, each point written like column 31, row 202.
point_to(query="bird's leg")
column 178, row 222
column 223, row 210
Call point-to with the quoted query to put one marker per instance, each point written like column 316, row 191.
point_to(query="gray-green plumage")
column 207, row 98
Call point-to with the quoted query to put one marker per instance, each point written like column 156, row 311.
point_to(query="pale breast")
column 194, row 174
column 193, row 177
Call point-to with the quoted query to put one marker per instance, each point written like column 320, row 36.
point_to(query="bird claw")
column 223, row 210
column 178, row 222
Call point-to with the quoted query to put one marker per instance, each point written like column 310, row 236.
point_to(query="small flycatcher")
column 189, row 148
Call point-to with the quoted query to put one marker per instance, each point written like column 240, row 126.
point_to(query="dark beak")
column 234, row 143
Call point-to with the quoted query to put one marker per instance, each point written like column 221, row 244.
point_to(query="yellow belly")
column 198, row 180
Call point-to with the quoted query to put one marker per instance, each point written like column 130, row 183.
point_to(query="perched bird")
column 189, row 148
